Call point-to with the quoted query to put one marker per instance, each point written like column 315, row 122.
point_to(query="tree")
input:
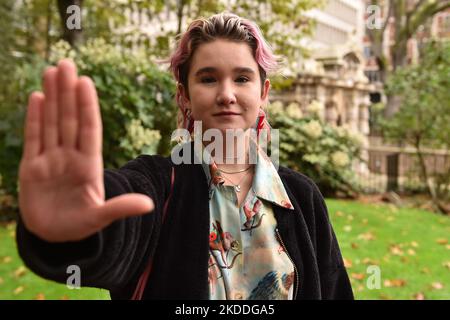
column 408, row 16
column 68, row 9
column 282, row 22
column 424, row 116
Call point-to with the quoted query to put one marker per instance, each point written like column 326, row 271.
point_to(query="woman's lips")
column 222, row 114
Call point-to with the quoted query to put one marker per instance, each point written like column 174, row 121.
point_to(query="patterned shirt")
column 247, row 260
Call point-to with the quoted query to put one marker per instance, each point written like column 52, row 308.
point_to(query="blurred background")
column 362, row 102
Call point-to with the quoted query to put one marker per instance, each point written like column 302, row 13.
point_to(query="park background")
column 362, row 102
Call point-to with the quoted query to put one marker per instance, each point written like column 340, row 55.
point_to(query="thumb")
column 126, row 205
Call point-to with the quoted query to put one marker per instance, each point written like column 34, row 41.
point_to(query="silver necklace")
column 232, row 172
column 237, row 187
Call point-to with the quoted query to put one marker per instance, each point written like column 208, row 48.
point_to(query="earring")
column 188, row 121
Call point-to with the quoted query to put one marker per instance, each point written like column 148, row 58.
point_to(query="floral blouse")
column 247, row 259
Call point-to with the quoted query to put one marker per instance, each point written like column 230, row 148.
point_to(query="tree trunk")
column 181, row 4
column 429, row 184
column 72, row 36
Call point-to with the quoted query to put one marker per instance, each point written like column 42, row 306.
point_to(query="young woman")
column 221, row 227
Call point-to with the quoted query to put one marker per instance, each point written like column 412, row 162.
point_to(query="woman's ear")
column 265, row 92
column 184, row 94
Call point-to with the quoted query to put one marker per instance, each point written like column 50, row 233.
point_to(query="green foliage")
column 425, row 99
column 424, row 116
column 322, row 152
column 136, row 100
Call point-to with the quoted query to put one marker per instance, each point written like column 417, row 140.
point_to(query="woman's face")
column 224, row 86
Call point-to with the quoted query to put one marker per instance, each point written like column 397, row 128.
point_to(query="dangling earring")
column 188, row 121
column 260, row 121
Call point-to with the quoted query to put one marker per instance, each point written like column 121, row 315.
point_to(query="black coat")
column 115, row 257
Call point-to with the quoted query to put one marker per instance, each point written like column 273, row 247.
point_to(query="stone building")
column 333, row 74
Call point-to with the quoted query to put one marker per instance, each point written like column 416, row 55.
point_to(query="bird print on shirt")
column 223, row 243
column 273, row 286
column 254, row 220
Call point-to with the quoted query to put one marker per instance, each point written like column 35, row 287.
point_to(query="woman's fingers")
column 51, row 137
column 33, row 126
column 66, row 99
column 90, row 125
column 123, row 206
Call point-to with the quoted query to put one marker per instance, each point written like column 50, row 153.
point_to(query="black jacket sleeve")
column 335, row 283
column 114, row 257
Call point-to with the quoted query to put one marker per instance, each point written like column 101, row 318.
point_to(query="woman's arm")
column 116, row 255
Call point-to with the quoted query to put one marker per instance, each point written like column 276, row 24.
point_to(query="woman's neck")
column 234, row 155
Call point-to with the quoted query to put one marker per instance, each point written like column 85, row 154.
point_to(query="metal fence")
column 394, row 168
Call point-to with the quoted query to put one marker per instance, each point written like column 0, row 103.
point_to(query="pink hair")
column 224, row 26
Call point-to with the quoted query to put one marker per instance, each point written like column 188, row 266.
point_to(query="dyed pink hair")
column 220, row 26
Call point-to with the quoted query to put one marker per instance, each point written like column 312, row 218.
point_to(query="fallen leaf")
column 20, row 272
column 446, row 264
column 348, row 263
column 411, row 252
column 369, row 261
column 366, row 236
column 396, row 250
column 358, row 276
column 414, row 244
column 392, row 208
column 65, row 297
column 447, row 247
column 349, row 217
column 425, row 270
column 404, row 259
column 7, row 259
column 18, row 290
column 347, row 228
column 39, row 296
column 11, row 226
column 419, row 296
column 385, row 297
column 442, row 241
column 437, row 285
column 355, row 245
column 339, row 214
column 394, row 283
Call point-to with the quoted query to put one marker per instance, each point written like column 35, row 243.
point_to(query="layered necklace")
column 237, row 187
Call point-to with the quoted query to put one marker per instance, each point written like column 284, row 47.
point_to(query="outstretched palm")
column 61, row 194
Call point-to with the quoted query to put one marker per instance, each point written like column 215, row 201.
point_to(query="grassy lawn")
column 18, row 282
column 411, row 248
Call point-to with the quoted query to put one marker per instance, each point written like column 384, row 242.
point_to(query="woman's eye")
column 207, row 80
column 242, row 79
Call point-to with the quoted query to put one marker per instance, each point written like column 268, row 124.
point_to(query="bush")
column 322, row 152
column 136, row 101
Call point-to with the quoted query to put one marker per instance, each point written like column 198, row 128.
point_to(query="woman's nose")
column 226, row 95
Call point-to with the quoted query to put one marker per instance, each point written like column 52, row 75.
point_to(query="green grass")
column 18, row 282
column 410, row 247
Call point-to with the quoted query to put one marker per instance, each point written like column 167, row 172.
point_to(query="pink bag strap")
column 139, row 291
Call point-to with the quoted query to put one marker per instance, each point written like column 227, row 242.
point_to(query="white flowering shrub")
column 320, row 151
column 136, row 100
